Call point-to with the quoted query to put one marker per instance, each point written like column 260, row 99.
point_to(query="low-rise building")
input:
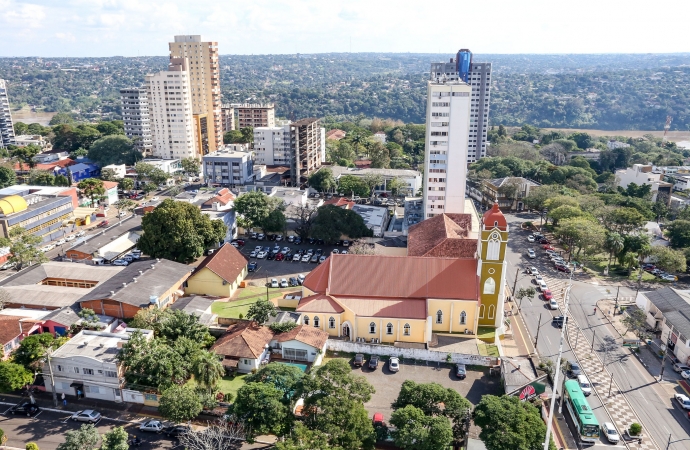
column 380, row 136
column 412, row 179
column 13, row 329
column 88, row 364
column 170, row 166
column 228, row 168
column 668, row 313
column 120, row 170
column 375, row 217
column 109, row 245
column 335, row 134
column 32, row 139
column 219, row 274
column 198, row 305
column 290, row 196
column 612, row 145
column 645, row 174
column 508, row 192
column 82, row 170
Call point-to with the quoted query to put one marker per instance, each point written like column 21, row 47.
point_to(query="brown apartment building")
column 204, row 77
column 255, row 115
column 305, row 139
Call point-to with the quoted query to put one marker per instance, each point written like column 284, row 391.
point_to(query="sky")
column 77, row 28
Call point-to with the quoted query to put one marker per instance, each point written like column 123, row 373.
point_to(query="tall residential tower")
column 6, row 125
column 170, row 111
column 478, row 76
column 445, row 162
column 204, row 79
column 135, row 115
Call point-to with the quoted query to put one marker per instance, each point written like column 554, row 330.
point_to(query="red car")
column 562, row 268
column 548, row 247
column 280, row 257
column 547, row 295
column 240, row 242
column 103, row 223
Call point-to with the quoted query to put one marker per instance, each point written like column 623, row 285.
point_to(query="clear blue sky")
column 143, row 27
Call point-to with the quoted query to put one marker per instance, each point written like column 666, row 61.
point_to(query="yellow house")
column 219, row 274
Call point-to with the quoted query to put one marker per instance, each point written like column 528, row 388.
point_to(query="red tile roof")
column 403, row 308
column 319, row 303
column 223, row 197
column 445, row 235
column 108, row 185
column 495, row 218
column 363, row 163
column 226, row 262
column 382, row 276
column 243, row 340
column 308, row 335
column 9, row 328
column 341, row 202
column 335, row 134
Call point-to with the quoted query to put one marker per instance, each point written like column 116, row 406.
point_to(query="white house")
column 88, row 363
column 411, row 178
column 120, row 170
column 668, row 312
column 290, row 196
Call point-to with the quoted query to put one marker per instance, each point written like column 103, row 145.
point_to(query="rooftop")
column 130, row 230
column 243, row 340
column 197, row 305
column 227, row 154
column 98, row 345
column 674, row 304
column 226, row 262
column 444, row 235
column 374, row 216
column 340, row 170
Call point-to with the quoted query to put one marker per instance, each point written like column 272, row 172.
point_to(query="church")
column 451, row 281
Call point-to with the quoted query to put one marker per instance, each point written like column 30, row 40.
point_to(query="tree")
column 304, row 220
column 23, row 247
column 109, row 175
column 7, row 177
column 303, row 438
column 60, row 118
column 85, row 438
column 180, row 404
column 528, row 292
column 275, row 222
column 614, row 243
column 149, row 318
column 115, row 439
column 668, row 259
column 114, row 149
column 420, row 432
column 261, row 311
column 260, row 407
column 88, row 317
column 126, row 184
column 247, row 135
column 41, row 178
column 678, row 233
column 332, row 222
column 380, row 156
column 352, row 185
column 221, row 435
column 283, row 377
column 635, row 320
column 207, row 369
column 564, row 212
column 334, row 405
column 179, row 231
column 582, row 233
column 150, row 187
column 175, row 324
column 31, row 446
column 109, row 127
column 191, row 165
column 25, row 155
column 151, row 173
column 282, row 327
column 232, row 137
column 152, row 363
column 372, row 181
column 32, row 349
column 322, row 180
column 13, row 376
column 254, row 208
column 124, row 204
column 508, row 424
column 92, row 188
column 660, row 207
column 397, row 186
column 624, row 220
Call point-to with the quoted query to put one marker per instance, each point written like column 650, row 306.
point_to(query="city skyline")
column 126, row 28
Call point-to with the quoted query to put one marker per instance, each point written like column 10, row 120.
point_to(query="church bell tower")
column 492, row 267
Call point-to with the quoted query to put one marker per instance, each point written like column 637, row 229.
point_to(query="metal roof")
column 675, row 306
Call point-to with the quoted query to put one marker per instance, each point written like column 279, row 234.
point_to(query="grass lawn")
column 231, row 385
column 488, row 350
column 486, row 334
column 616, row 271
column 244, row 298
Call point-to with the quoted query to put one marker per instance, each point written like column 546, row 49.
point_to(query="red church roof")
column 494, row 218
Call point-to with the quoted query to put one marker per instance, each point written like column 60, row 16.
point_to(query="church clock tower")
column 492, row 267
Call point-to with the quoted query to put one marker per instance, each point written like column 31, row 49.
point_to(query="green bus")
column 582, row 414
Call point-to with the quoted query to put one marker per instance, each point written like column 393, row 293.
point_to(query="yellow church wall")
column 417, row 328
column 205, row 282
column 452, row 310
column 490, row 303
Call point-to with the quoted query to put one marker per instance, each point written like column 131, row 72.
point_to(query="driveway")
column 477, row 384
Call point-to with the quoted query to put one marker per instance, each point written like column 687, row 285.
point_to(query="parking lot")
column 387, row 384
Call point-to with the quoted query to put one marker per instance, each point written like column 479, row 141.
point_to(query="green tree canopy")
column 283, row 377
column 678, row 233
column 23, row 247
column 352, row 185
column 174, row 324
column 260, row 406
column 14, row 376
column 7, row 177
column 669, row 259
column 322, row 180
column 180, row 404
column 107, row 128
column 259, row 210
column 332, row 222
column 114, row 149
column 261, row 311
column 92, row 188
column 115, row 439
column 179, row 231
column 191, row 166
column 207, row 369
column 85, row 438
column 415, row 430
column 25, row 155
column 32, row 349
column 152, row 363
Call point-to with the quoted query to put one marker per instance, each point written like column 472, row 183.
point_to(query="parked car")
column 274, row 283
column 322, row 259
column 253, row 235
column 553, row 304
column 27, row 408
column 394, row 364
column 240, row 242
column 128, row 258
column 298, row 240
column 530, row 238
column 374, row 362
column 346, row 243
column 683, row 400
column 306, row 258
column 461, row 371
column 533, row 270
column 547, row 295
column 154, row 199
column 544, row 241
column 335, row 251
column 273, row 237
column 120, row 262
column 548, row 247
column 176, row 430
column 252, row 266
column 531, row 254
column 319, row 252
column 559, row 321
column 285, row 250
column 103, row 223
column 291, row 239
column 343, row 252
column 253, row 254
column 563, row 268
column 685, row 374
column 359, row 360
column 80, row 233
column 276, row 249
column 610, row 432
column 279, row 238
column 668, row 277
column 574, row 369
column 8, row 265
column 680, row 367
column 271, row 256
column 314, row 259
column 300, row 278
column 542, row 286
column 262, row 254
column 152, row 425
column 538, row 279
column 293, row 281
column 297, row 257
column 258, row 248
column 87, row 415
column 283, row 283
column 261, row 237
column 280, row 256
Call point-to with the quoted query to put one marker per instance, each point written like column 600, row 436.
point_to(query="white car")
column 120, row 262
column 531, row 253
column 154, row 199
column 279, row 238
column 153, row 425
column 285, row 250
column 668, row 277
column 87, row 415
column 274, row 283
column 533, row 271
column 253, row 254
column 300, row 277
column 542, row 286
column 296, row 257
column 683, row 400
column 70, row 238
column 81, row 233
column 610, row 432
column 553, row 304
column 538, row 279
column 136, row 254
column 283, row 283
column 394, row 364
column 122, row 214
column 47, row 248
column 261, row 255
column 306, row 258
column 685, row 374
column 322, row 259
column 258, row 248
column 344, row 252
column 530, row 238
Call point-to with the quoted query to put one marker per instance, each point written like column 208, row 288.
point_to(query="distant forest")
column 608, row 92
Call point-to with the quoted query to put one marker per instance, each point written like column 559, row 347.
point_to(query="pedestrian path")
column 613, row 399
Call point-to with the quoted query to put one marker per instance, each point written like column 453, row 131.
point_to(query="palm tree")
column 207, row 369
column 614, row 243
column 629, row 259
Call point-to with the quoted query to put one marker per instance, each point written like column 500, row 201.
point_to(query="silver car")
column 394, row 364
column 87, row 415
column 610, row 432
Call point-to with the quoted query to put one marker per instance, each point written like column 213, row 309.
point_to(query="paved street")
column 650, row 400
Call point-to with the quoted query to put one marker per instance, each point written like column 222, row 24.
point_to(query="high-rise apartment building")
column 255, row 115
column 170, row 112
column 204, row 79
column 478, row 76
column 445, row 162
column 272, row 146
column 135, row 115
column 201, row 133
column 305, row 148
column 6, row 125
column 227, row 118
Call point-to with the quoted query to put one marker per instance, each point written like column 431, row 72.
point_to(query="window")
column 491, row 311
column 481, row 312
column 87, row 371
column 8, row 348
column 406, row 329
column 463, row 318
column 59, row 368
column 306, row 320
column 372, row 328
column 493, row 249
column 331, row 322
column 439, row 316
column 76, row 369
column 94, row 390
column 490, row 286
column 316, row 321
column 389, row 328
column 111, row 373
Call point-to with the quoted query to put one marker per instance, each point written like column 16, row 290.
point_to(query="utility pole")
column 593, row 336
column 615, row 308
column 663, row 360
column 517, row 271
column 52, row 379
column 549, row 422
column 538, row 327
column 610, row 384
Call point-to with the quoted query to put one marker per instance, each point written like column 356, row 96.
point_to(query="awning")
column 179, row 292
column 77, row 384
column 230, row 363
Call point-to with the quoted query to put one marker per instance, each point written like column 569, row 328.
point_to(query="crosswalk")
column 616, row 405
